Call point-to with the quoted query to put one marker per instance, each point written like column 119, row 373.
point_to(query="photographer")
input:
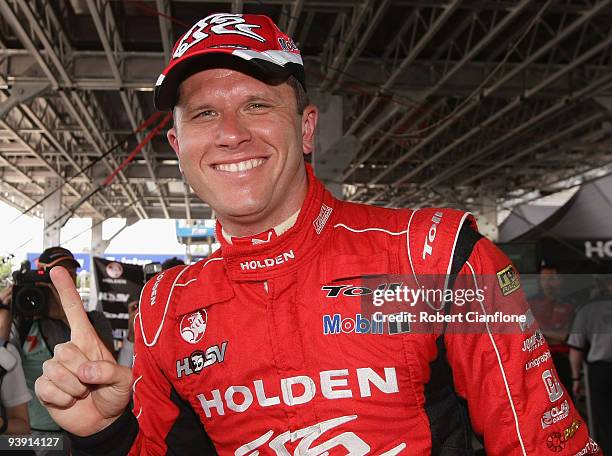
column 14, row 394
column 40, row 324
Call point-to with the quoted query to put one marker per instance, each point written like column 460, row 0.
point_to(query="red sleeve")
column 505, row 371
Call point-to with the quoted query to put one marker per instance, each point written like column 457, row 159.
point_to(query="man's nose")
column 232, row 131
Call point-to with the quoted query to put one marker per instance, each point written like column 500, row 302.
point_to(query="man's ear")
column 174, row 143
column 310, row 117
column 173, row 140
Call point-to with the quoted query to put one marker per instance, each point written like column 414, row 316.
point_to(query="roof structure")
column 586, row 216
column 450, row 100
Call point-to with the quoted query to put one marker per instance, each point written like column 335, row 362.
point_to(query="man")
column 14, row 394
column 244, row 353
column 591, row 338
column 554, row 314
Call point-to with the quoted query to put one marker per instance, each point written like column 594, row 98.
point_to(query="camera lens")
column 31, row 301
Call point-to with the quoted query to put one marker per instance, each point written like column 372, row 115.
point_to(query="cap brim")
column 166, row 93
column 57, row 261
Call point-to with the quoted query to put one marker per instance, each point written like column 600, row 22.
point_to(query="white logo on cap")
column 221, row 24
column 193, row 327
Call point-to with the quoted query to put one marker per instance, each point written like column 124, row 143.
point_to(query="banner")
column 118, row 285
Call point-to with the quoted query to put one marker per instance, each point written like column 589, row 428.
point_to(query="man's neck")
column 278, row 229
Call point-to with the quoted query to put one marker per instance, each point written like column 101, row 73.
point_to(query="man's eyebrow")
column 196, row 107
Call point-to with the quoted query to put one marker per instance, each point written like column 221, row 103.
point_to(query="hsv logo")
column 553, row 388
column 219, row 24
column 198, row 360
column 193, row 326
column 267, row 262
column 431, row 235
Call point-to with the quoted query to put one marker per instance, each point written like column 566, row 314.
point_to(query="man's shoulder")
column 364, row 215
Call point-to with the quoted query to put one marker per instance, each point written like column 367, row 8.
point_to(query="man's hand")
column 82, row 386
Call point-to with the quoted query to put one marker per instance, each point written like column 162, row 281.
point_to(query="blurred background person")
column 554, row 314
column 40, row 324
column 14, row 394
column 591, row 339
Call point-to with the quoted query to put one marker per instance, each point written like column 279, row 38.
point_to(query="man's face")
column 550, row 282
column 240, row 143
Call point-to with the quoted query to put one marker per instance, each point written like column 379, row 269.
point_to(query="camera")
column 150, row 270
column 29, row 299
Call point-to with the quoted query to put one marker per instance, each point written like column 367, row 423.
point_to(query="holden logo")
column 114, row 270
column 193, row 326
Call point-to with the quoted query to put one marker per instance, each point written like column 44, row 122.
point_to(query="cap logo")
column 220, row 24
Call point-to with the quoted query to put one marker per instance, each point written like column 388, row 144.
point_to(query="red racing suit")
column 262, row 349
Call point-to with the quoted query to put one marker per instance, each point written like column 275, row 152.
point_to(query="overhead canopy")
column 576, row 237
column 586, row 216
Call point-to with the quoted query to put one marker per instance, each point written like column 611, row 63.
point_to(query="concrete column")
column 52, row 211
column 333, row 152
column 486, row 216
column 98, row 247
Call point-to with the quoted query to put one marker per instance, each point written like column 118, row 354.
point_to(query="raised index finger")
column 81, row 330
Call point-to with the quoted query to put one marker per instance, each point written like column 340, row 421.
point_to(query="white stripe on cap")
column 277, row 57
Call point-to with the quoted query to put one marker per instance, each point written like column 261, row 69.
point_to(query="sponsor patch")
column 535, row 362
column 508, row 280
column 193, row 326
column 534, row 342
column 590, row 448
column 555, row 414
column 553, row 388
column 556, row 440
column 321, row 220
column 430, row 237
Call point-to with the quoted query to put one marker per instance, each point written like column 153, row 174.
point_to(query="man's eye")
column 205, row 114
column 257, row 106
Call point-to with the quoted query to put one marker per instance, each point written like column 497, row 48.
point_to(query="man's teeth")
column 241, row 166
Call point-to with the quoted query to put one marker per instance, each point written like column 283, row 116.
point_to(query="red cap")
column 221, row 40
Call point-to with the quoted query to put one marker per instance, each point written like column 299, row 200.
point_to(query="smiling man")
column 266, row 347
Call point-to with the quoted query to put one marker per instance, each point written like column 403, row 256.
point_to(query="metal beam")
column 165, row 27
column 296, row 10
column 51, row 62
column 469, row 104
column 447, row 12
column 104, row 21
column 337, row 46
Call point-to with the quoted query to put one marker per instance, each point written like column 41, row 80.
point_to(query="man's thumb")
column 105, row 373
